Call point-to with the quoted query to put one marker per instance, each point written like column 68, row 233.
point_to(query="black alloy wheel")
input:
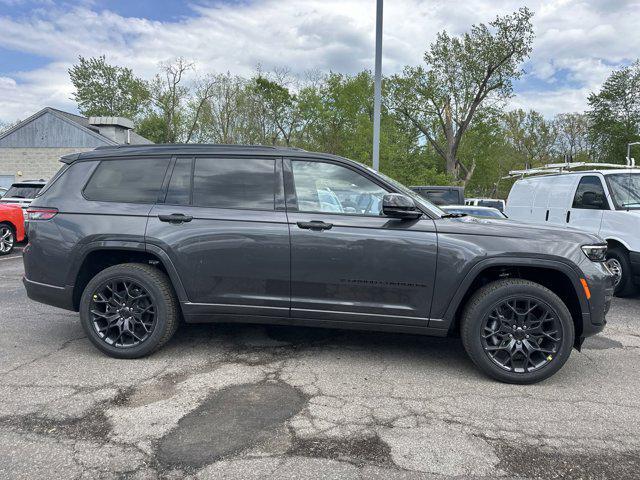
column 517, row 331
column 521, row 334
column 123, row 313
column 129, row 310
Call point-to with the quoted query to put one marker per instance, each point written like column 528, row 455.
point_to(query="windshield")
column 625, row 190
column 23, row 191
column 410, row 193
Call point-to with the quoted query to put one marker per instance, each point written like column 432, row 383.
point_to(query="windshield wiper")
column 15, row 196
column 454, row 215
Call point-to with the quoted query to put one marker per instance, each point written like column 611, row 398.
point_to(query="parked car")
column 3, row 191
column 479, row 212
column 439, row 195
column 486, row 202
column 23, row 193
column 137, row 238
column 604, row 202
column 11, row 227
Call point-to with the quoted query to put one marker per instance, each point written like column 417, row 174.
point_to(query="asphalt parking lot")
column 244, row 401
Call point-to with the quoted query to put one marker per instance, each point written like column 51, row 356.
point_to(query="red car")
column 11, row 227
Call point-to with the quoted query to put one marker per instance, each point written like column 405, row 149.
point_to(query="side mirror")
column 592, row 199
column 396, row 205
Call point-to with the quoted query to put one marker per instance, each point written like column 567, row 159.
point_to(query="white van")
column 605, row 202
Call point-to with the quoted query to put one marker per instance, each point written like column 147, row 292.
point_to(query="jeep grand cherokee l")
column 137, row 238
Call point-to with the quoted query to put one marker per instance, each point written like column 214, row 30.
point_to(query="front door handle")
column 315, row 225
column 175, row 218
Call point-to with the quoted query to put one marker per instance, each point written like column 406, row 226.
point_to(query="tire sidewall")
column 121, row 273
column 625, row 286
column 472, row 332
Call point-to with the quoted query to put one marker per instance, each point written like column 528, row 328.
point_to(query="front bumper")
column 600, row 282
column 61, row 297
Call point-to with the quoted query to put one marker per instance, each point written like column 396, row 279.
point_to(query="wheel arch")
column 559, row 277
column 96, row 257
column 615, row 242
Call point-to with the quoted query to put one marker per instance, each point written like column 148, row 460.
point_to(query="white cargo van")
column 605, row 202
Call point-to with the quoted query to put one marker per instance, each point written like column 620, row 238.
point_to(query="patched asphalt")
column 246, row 401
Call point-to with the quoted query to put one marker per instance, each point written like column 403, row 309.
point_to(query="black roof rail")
column 221, row 146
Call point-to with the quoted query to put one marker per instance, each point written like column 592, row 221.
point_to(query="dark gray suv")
column 137, row 238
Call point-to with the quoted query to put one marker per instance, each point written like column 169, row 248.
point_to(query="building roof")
column 51, row 127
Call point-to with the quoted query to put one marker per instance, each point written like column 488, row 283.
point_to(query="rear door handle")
column 175, row 218
column 315, row 225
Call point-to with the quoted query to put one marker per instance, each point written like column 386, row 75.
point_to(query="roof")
column 79, row 132
column 585, row 172
column 193, row 149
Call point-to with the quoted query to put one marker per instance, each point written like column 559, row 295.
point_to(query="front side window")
column 331, row 188
column 625, row 190
column 129, row 180
column 240, row 183
column 590, row 194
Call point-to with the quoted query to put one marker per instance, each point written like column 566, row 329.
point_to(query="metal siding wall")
column 49, row 131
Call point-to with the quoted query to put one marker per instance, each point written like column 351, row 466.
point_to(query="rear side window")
column 179, row 192
column 595, row 198
column 242, row 183
column 128, row 180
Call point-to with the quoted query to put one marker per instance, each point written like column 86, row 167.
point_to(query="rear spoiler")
column 69, row 159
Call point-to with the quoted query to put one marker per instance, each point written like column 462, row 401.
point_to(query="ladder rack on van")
column 552, row 168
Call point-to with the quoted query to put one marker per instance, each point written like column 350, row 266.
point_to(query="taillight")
column 35, row 213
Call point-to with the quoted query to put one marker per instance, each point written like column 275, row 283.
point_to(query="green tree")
column 442, row 98
column 107, row 90
column 573, row 141
column 532, row 137
column 614, row 114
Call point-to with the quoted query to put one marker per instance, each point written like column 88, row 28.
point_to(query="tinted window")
column 441, row 197
column 23, row 191
column 326, row 187
column 128, row 180
column 234, row 183
column 490, row 203
column 179, row 192
column 594, row 198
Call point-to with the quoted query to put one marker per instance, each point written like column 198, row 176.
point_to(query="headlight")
column 595, row 253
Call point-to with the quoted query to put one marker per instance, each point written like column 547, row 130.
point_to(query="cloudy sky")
column 577, row 45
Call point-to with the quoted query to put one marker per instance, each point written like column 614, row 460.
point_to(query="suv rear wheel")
column 517, row 331
column 7, row 239
column 129, row 310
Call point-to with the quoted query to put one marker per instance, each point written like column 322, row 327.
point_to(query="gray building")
column 31, row 149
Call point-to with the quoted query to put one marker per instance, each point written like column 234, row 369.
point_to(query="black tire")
column 7, row 244
column 160, row 293
column 482, row 306
column 618, row 258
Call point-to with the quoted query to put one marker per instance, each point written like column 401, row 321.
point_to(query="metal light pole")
column 377, row 87
column 629, row 161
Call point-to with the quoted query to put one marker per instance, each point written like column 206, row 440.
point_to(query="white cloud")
column 577, row 42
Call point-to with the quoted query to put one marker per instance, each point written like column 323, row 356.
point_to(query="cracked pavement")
column 246, row 401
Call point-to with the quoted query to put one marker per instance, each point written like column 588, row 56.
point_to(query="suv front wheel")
column 129, row 310
column 517, row 331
